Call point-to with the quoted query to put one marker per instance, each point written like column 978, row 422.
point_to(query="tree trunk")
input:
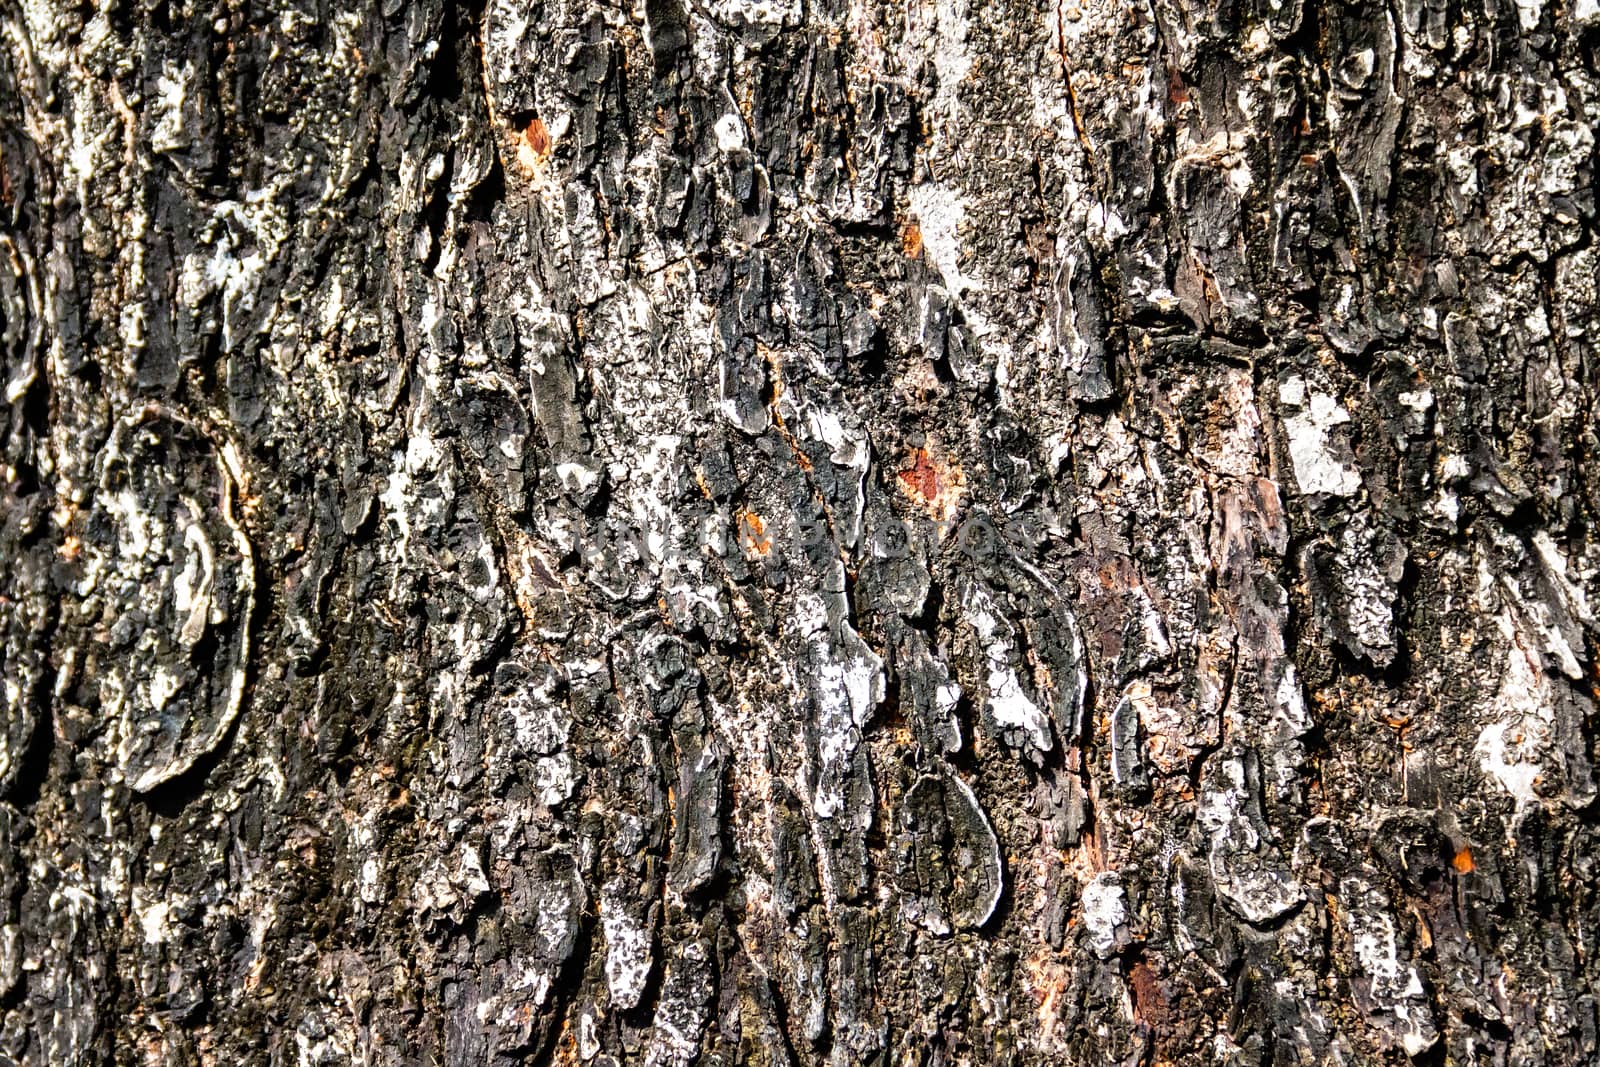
column 715, row 531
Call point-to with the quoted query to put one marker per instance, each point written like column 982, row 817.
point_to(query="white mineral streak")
column 1105, row 913
column 1007, row 703
column 1316, row 468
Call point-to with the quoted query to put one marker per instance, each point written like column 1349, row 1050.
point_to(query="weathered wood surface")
column 759, row 531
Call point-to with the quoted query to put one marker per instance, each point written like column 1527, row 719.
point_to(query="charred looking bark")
column 718, row 531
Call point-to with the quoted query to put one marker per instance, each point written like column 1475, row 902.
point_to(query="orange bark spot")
column 1463, row 862
column 921, row 479
column 911, row 240
column 1149, row 1000
column 532, row 144
column 538, row 137
column 753, row 534
column 1177, row 91
column 933, row 483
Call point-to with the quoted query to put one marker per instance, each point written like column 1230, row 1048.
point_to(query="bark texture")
column 798, row 531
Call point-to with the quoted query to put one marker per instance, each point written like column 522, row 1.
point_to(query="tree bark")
column 714, row 531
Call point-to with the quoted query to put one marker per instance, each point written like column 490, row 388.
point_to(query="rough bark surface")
column 788, row 532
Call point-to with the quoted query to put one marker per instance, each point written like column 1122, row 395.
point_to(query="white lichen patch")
column 846, row 683
column 1164, row 728
column 655, row 473
column 1224, row 151
column 627, row 948
column 1316, row 468
column 1393, row 993
column 755, row 12
column 1105, row 914
column 505, row 27
column 172, row 89
column 1512, row 748
column 181, row 561
column 729, row 130
column 1007, row 703
column 1245, row 869
column 940, row 211
column 1234, row 447
column 552, row 780
column 1570, row 598
column 1370, row 576
column 936, row 33
column 152, row 913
